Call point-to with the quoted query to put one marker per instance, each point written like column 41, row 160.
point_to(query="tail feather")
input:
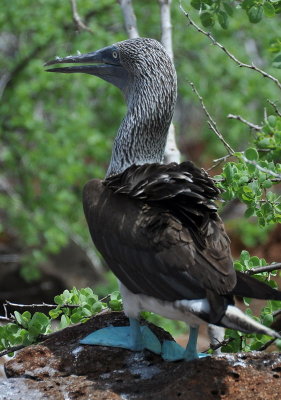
column 248, row 286
column 236, row 319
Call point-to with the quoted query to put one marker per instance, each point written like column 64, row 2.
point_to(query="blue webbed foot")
column 133, row 337
column 171, row 351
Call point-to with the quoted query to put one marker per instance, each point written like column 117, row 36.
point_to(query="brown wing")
column 160, row 233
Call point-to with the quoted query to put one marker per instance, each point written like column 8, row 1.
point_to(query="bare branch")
column 166, row 26
column 129, row 18
column 241, row 119
column 219, row 345
column 212, row 124
column 10, row 258
column 11, row 350
column 77, row 19
column 218, row 161
column 172, row 153
column 35, row 307
column 267, row 344
column 277, row 312
column 262, row 169
column 266, row 268
column 6, row 319
column 230, row 55
column 275, row 107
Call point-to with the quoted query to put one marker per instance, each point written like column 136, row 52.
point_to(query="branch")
column 166, row 26
column 32, row 307
column 219, row 345
column 266, row 268
column 172, row 153
column 11, row 350
column 129, row 18
column 212, row 124
column 262, row 169
column 230, row 55
column 250, row 124
column 277, row 312
column 275, row 107
column 267, row 344
column 77, row 19
column 218, row 161
column 6, row 319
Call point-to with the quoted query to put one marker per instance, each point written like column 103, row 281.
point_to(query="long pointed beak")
column 95, row 57
column 114, row 73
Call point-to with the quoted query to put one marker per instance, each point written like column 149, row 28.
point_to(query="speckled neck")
column 150, row 97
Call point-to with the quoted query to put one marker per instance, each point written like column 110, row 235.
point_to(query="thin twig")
column 77, row 19
column 129, row 18
column 266, row 268
column 262, row 169
column 212, row 124
column 218, row 161
column 241, row 119
column 219, row 345
column 230, row 55
column 267, row 344
column 275, row 107
column 35, row 307
column 277, row 312
column 11, row 350
column 6, row 319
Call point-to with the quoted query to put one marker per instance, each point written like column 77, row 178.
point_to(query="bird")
column 157, row 225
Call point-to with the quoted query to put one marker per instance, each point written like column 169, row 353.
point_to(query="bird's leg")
column 133, row 337
column 171, row 351
column 190, row 352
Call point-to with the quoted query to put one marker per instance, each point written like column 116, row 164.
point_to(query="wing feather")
column 157, row 228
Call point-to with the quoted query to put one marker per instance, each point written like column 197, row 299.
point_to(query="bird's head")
column 122, row 63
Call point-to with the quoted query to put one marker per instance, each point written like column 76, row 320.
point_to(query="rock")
column 59, row 368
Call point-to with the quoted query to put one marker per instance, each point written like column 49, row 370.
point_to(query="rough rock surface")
column 59, row 368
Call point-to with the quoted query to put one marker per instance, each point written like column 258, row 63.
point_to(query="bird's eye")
column 114, row 54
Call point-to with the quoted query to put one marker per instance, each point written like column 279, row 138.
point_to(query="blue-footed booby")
column 157, row 225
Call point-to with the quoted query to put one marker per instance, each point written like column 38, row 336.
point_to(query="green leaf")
column 228, row 8
column 58, row 300
column 244, row 255
column 255, row 14
column 64, row 321
column 115, row 305
column 20, row 319
column 269, row 9
column 207, row 19
column 267, row 319
column 272, row 119
column 223, row 19
column 277, row 61
column 249, row 212
column 252, row 154
column 54, row 314
column 197, row 4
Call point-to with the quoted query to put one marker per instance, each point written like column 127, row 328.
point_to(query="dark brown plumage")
column 164, row 237
column 157, row 225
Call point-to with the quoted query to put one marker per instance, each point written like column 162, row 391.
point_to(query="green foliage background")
column 56, row 131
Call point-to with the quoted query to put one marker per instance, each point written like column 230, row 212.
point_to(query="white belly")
column 181, row 310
